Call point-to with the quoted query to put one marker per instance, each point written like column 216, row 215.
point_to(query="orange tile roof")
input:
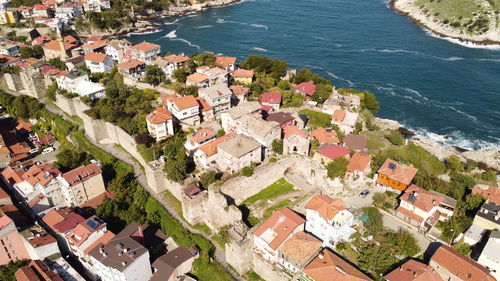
column 490, row 193
column 204, row 106
column 201, row 135
column 323, row 135
column 413, row 270
column 95, row 45
column 102, row 240
column 159, row 115
column 291, row 130
column 79, row 234
column 338, row 115
column 145, row 46
column 460, row 265
column 133, row 63
column 54, row 216
column 301, row 247
column 359, row 162
column 177, row 58
column 23, row 125
column 12, row 175
column 95, row 57
column 36, row 270
column 243, row 73
column 54, row 45
column 326, row 206
column 5, row 59
column 197, row 77
column 328, row 266
column 70, row 39
column 185, row 102
column 420, row 198
column 239, row 90
column 82, row 174
column 225, row 61
column 42, row 241
column 211, row 148
column 40, row 7
column 282, row 224
column 400, row 173
column 41, row 174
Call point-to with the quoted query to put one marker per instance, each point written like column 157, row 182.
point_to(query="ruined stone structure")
column 13, row 82
column 239, row 249
column 193, row 208
column 33, row 82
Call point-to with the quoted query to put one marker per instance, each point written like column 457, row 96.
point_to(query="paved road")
column 396, row 224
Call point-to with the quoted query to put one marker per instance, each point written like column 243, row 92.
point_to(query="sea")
column 441, row 89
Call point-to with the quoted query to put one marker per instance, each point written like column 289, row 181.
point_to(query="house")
column 451, row 265
column 39, row 243
column 329, row 266
column 395, row 175
column 74, row 62
column 96, row 5
column 490, row 193
column 54, row 49
column 474, row 235
column 299, row 250
column 359, row 164
column 205, row 156
column 25, row 11
column 305, row 89
column 198, row 138
column 40, row 10
column 117, row 49
column 9, row 48
column 328, row 152
column 265, row 132
column 282, row 118
column 160, row 123
column 174, row 264
column 272, row 100
column 488, row 217
column 90, row 89
column 13, row 247
column 82, row 184
column 62, row 221
column 133, row 69
column 96, row 47
column 122, row 258
column 346, row 120
column 355, row 142
column 337, row 101
column 271, row 235
column 218, row 96
column 295, row 141
column 322, row 136
column 235, row 153
column 206, row 110
column 175, row 62
column 8, row 60
column 69, row 81
column 197, row 79
column 145, row 52
column 68, row 11
column 216, row 76
column 185, row 109
column 424, row 208
column 240, row 94
column 490, row 257
column 36, row 270
column 230, row 118
column 227, row 63
column 243, row 76
column 338, row 116
column 413, row 270
column 96, row 62
column 329, row 220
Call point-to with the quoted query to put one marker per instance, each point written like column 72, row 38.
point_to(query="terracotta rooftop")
column 177, row 58
column 413, row 270
column 301, row 248
column 332, row 151
column 396, row 171
column 201, row 135
column 425, row 200
column 359, row 162
column 95, row 45
column 355, row 142
column 82, row 174
column 211, row 148
column 326, row 206
column 133, row 63
column 328, row 266
column 338, row 115
column 243, row 73
column 490, row 193
column 197, row 77
column 323, row 135
column 204, row 106
column 460, row 265
column 54, row 45
column 270, row 97
column 185, row 102
column 306, row 87
column 280, row 117
column 145, row 46
column 36, row 270
column 239, row 90
column 159, row 115
column 224, row 61
column 95, row 57
column 292, row 130
column 278, row 227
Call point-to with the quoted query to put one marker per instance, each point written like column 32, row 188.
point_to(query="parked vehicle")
column 364, row 193
column 48, row 150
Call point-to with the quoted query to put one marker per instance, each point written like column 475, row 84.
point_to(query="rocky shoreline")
column 407, row 7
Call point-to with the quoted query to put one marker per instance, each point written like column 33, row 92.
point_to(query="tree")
column 404, row 242
column 191, row 90
column 395, row 138
column 453, row 163
column 57, row 62
column 460, row 183
column 208, row 178
column 7, row 271
column 374, row 224
column 379, row 198
column 464, row 249
column 275, row 68
column 68, row 159
column 220, row 133
column 204, row 59
column 473, row 201
column 51, row 91
column 154, row 75
column 25, row 107
column 176, row 170
column 277, row 146
column 247, row 171
column 143, row 138
column 180, row 75
column 337, row 168
column 489, row 176
column 375, row 259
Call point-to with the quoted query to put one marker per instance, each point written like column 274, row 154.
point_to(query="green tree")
column 464, row 249
column 7, row 271
column 275, row 68
column 208, row 178
column 204, row 59
column 220, row 133
column 154, row 75
column 489, row 176
column 395, row 138
column 453, row 163
column 180, row 75
column 379, row 198
column 176, row 170
column 404, row 242
column 277, row 146
column 375, row 259
column 337, row 168
column 247, row 171
column 25, row 107
column 374, row 224
column 68, row 159
column 51, row 91
column 57, row 62
column 191, row 90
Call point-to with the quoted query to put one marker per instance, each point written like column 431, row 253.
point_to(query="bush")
column 208, row 178
column 395, row 138
column 337, row 168
column 453, row 163
column 277, row 146
column 247, row 171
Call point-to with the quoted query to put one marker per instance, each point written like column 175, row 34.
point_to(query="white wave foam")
column 351, row 84
column 493, row 60
column 259, row 25
column 188, row 42
column 221, row 20
column 204, row 26
column 172, row 23
column 145, row 32
column 259, row 49
column 473, row 118
column 172, row 34
column 454, row 58
column 416, row 93
column 321, row 38
column 338, row 45
column 463, row 43
column 454, row 138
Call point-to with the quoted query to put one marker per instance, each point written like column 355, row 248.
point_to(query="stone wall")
column 266, row 270
column 13, row 82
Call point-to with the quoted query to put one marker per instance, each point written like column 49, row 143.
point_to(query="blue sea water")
column 442, row 90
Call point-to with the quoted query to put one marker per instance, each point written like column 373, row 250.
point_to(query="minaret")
column 60, row 39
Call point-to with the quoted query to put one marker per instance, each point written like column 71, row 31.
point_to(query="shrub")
column 247, row 171
column 395, row 138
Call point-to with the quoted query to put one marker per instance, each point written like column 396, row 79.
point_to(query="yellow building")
column 7, row 17
column 243, row 76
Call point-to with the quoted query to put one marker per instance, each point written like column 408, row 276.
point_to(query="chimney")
column 321, row 256
column 400, row 268
column 433, row 202
column 414, row 274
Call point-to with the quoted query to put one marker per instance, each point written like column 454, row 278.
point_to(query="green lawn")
column 276, row 189
column 252, row 276
column 317, row 119
column 269, row 211
column 417, row 156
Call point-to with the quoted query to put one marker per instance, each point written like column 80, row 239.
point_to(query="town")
column 124, row 161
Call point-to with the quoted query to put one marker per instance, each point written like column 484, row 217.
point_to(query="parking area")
column 48, row 157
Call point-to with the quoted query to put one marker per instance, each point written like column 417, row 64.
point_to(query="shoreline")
column 416, row 17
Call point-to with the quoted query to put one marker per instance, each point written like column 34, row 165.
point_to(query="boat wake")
column 349, row 82
column 204, row 26
column 172, row 34
column 259, row 49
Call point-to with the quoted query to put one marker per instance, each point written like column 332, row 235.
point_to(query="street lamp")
column 452, row 234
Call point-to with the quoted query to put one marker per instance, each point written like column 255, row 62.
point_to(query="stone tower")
column 33, row 82
column 193, row 207
column 239, row 249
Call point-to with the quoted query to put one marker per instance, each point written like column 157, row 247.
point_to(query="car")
column 363, row 193
column 48, row 150
column 34, row 150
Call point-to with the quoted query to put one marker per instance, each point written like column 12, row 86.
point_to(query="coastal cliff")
column 469, row 21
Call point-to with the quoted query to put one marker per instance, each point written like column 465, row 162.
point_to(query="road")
column 396, row 224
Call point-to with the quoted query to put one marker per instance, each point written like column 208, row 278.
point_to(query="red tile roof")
column 185, row 102
column 281, row 224
column 332, row 151
column 306, row 87
column 204, row 106
column 326, row 206
column 197, row 77
column 159, row 115
column 54, row 45
column 95, row 57
column 271, row 98
column 201, row 135
column 145, row 46
column 82, row 174
column 410, row 214
column 239, row 90
column 177, row 58
column 243, row 73
column 291, row 130
column 460, row 265
column 490, row 193
column 328, row 266
column 413, row 270
column 211, row 148
column 323, row 135
column 36, row 271
column 133, row 63
column 224, row 61
column 338, row 115
column 398, row 172
column 359, row 162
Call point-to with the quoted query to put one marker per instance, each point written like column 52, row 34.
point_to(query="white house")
column 185, row 109
column 198, row 138
column 490, row 256
column 230, row 117
column 116, row 49
column 69, row 81
column 175, row 62
column 329, row 220
column 346, row 120
column 90, row 89
column 265, row 132
column 160, row 123
column 206, row 155
column 68, row 11
column 96, row 62
column 238, row 152
column 218, row 96
column 145, row 52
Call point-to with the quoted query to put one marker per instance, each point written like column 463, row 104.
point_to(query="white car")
column 48, row 150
